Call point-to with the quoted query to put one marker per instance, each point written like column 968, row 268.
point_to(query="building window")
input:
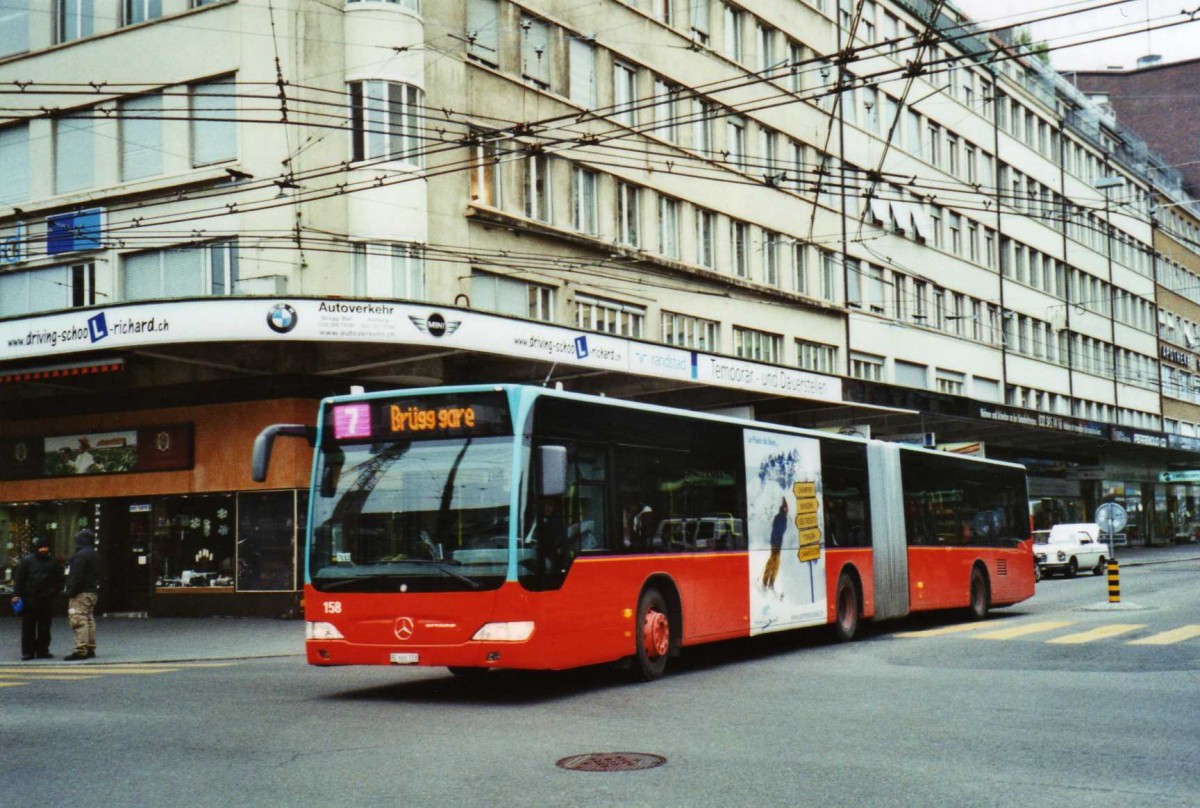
column 14, row 163
column 582, row 68
column 951, row 382
column 535, row 51
column 48, row 289
column 75, row 19
column 73, row 145
column 609, row 316
column 537, row 186
column 214, row 122
column 541, row 302
column 385, row 117
column 687, row 331
column 702, row 126
column 483, row 26
column 183, row 272
column 866, row 366
column 511, row 296
column 771, row 245
column 666, row 97
column 800, row 268
column 394, row 271
column 663, row 11
column 734, row 23
column 766, row 49
column 816, row 356
column 739, row 242
column 706, row 238
column 828, row 290
column 749, row 343
column 485, row 172
column 14, row 27
column 735, row 141
column 142, row 10
column 699, row 20
column 629, row 215
column 668, row 226
column 141, row 137
column 624, row 93
column 583, row 200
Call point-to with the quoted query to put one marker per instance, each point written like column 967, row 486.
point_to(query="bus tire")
column 846, row 613
column 980, row 595
column 652, row 636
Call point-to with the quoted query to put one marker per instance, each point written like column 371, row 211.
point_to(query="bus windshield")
column 411, row 516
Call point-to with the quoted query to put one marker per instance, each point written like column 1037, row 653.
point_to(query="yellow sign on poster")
column 806, row 506
column 804, row 490
column 810, row 545
column 804, row 521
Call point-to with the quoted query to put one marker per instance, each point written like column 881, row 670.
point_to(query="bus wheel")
column 653, row 636
column 979, row 595
column 846, row 603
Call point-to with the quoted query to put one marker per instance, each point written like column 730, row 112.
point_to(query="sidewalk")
column 124, row 640
column 178, row 639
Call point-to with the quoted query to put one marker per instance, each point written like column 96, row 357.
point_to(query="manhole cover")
column 611, row 762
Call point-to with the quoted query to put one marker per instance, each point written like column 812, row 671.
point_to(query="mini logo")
column 404, row 628
column 97, row 327
column 581, row 348
column 281, row 318
column 162, row 441
column 435, row 325
column 21, row 452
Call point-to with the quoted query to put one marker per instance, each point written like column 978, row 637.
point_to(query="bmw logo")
column 282, row 318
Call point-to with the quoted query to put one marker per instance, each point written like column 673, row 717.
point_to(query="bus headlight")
column 321, row 631
column 504, row 632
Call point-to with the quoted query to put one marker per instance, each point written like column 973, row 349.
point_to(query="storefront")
column 181, row 528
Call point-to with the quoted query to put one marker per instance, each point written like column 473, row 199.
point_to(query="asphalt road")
column 1015, row 711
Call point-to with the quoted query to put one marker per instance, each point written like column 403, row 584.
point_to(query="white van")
column 1070, row 548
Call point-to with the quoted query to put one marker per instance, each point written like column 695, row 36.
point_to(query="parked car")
column 1069, row 548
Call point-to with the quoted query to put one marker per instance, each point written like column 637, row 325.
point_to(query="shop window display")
column 194, row 542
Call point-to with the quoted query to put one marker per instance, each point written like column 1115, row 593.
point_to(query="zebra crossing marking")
column 1098, row 633
column 1170, row 637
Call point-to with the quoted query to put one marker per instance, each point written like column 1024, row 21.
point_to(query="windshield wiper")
column 440, row 566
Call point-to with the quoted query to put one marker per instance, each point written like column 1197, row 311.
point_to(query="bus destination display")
column 420, row 418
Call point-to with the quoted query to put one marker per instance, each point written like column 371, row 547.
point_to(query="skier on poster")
column 778, row 528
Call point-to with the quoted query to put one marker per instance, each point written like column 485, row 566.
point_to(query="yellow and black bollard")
column 1114, row 581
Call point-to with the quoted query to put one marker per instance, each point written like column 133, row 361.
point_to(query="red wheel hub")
column 656, row 634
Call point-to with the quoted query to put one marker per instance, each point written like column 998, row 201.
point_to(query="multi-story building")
column 845, row 216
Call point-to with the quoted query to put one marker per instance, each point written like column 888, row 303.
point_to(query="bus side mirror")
column 261, row 458
column 553, row 462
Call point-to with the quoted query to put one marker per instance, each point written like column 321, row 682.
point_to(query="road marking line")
column 63, row 677
column 1169, row 637
column 957, row 628
column 1098, row 633
column 1021, row 631
column 90, row 673
column 12, row 684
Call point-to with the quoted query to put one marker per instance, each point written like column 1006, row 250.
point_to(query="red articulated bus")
column 516, row 527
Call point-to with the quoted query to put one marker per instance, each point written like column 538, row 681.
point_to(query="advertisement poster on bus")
column 785, row 531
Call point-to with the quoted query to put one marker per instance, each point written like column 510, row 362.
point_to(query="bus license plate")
column 405, row 659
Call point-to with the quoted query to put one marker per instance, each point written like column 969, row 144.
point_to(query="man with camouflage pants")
column 83, row 586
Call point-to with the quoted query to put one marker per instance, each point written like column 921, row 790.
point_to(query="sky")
column 1127, row 18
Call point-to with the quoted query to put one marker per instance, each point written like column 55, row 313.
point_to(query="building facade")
column 849, row 216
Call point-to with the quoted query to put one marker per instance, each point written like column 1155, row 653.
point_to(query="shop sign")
column 1042, row 420
column 1186, row 476
column 74, row 232
column 1172, row 354
column 139, row 325
column 1184, row 443
column 1139, row 438
column 116, row 451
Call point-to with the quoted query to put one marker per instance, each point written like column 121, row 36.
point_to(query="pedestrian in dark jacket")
column 39, row 577
column 83, row 586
